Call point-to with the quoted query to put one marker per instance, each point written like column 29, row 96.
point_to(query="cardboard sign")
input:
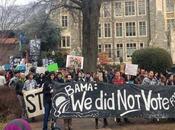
column 131, row 69
column 40, row 70
column 34, row 102
column 74, row 62
column 52, row 67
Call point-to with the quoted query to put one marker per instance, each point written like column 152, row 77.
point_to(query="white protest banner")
column 40, row 70
column 131, row 69
column 74, row 62
column 34, row 102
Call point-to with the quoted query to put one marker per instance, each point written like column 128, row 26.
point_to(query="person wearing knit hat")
column 18, row 124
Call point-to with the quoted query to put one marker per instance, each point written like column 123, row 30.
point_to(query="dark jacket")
column 19, row 87
column 47, row 94
column 60, row 80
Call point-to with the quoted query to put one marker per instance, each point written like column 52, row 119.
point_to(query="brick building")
column 8, row 47
column 125, row 26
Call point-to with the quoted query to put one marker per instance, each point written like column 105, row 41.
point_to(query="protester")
column 81, row 76
column 162, row 80
column 47, row 99
column 41, row 80
column 18, row 124
column 2, row 79
column 118, row 79
column 19, row 94
column 170, row 80
column 30, row 83
column 150, row 80
column 59, row 78
column 8, row 76
column 68, row 121
column 140, row 77
column 14, row 80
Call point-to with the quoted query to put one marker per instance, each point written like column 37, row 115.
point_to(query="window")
column 64, row 21
column 141, row 7
column 108, row 50
column 107, row 9
column 107, row 30
column 130, row 29
column 141, row 45
column 130, row 8
column 65, row 42
column 119, row 29
column 118, row 9
column 119, row 50
column 169, row 5
column 99, row 30
column 99, row 48
column 142, row 28
column 170, row 23
column 131, row 47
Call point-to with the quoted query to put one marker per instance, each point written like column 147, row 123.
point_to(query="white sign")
column 131, row 69
column 34, row 102
column 74, row 62
column 41, row 70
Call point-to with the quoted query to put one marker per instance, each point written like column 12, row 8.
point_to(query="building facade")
column 124, row 26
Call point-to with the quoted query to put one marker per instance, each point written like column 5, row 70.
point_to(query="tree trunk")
column 91, row 14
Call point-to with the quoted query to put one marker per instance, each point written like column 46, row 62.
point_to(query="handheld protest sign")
column 131, row 69
column 75, row 62
column 34, row 102
column 53, row 67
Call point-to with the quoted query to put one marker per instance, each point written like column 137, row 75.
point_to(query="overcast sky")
column 23, row 2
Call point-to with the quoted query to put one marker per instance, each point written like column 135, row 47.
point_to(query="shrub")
column 9, row 105
column 155, row 59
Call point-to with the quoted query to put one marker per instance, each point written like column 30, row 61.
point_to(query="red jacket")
column 118, row 81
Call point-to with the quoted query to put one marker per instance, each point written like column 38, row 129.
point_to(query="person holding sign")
column 30, row 83
column 119, row 81
column 47, row 99
column 68, row 122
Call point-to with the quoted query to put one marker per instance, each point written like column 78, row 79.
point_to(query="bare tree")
column 12, row 17
column 90, row 10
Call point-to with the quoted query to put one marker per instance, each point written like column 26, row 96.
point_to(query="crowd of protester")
column 21, row 82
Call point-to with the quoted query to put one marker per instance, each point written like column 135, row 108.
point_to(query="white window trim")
column 111, row 48
column 139, row 29
column 123, row 9
column 62, row 43
column 123, row 31
column 136, row 29
column 101, row 31
column 110, row 29
column 129, row 58
column 67, row 21
column 135, row 8
column 104, row 10
column 122, row 49
column 102, row 50
column 138, row 9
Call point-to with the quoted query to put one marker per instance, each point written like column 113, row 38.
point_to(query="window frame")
column 122, row 30
column 134, row 6
column 66, row 42
column 144, row 7
column 146, row 27
column 110, row 30
column 136, row 33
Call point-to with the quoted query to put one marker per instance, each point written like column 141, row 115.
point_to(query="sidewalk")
column 78, row 124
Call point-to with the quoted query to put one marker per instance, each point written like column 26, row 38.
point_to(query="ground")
column 135, row 124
